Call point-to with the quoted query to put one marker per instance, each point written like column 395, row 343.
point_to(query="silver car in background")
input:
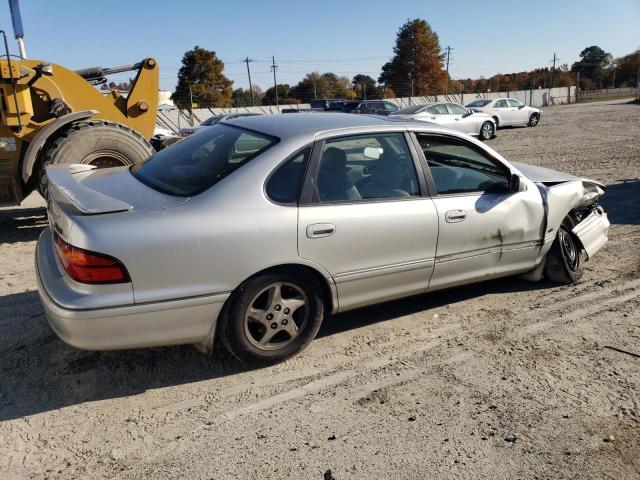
column 507, row 111
column 254, row 228
column 451, row 115
column 187, row 131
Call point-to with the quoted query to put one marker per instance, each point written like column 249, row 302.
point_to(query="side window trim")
column 281, row 164
column 427, row 171
column 308, row 197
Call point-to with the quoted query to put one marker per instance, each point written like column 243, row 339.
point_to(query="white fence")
column 173, row 119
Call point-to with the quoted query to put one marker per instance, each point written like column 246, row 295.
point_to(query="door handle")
column 457, row 119
column 433, row 118
column 319, row 230
column 454, row 216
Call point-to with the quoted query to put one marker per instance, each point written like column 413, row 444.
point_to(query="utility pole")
column 364, row 90
column 553, row 69
column 275, row 83
column 446, row 88
column 247, row 60
column 191, row 103
column 315, row 95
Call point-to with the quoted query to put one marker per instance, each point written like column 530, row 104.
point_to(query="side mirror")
column 514, row 183
column 520, row 107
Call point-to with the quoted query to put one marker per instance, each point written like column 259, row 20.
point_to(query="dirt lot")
column 508, row 379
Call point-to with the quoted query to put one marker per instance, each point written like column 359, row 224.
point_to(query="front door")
column 485, row 230
column 364, row 218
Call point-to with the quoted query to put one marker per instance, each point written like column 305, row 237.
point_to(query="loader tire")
column 94, row 142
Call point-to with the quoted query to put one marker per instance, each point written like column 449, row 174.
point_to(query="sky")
column 344, row 37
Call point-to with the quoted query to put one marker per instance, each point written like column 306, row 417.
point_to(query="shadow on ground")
column 21, row 224
column 38, row 372
column 621, row 201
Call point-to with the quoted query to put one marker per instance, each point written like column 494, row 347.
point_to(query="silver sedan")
column 255, row 228
column 451, row 115
column 507, row 111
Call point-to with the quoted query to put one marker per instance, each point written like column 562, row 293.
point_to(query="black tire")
column 565, row 260
column 487, row 131
column 533, row 120
column 93, row 142
column 241, row 335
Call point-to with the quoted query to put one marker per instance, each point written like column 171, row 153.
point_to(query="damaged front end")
column 566, row 196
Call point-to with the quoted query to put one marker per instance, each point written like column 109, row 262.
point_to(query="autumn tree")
column 417, row 59
column 327, row 85
column 628, row 69
column 202, row 71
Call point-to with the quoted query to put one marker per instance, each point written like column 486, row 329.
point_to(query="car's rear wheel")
column 271, row 318
column 565, row 260
column 533, row 120
column 487, row 131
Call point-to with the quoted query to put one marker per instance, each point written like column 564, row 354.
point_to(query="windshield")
column 410, row 110
column 193, row 165
column 479, row 103
column 211, row 121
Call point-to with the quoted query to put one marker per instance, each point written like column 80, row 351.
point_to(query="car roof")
column 285, row 125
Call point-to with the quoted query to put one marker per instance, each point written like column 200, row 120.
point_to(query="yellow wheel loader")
column 50, row 114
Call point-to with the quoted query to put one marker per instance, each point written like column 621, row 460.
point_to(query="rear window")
column 479, row 103
column 318, row 104
column 193, row 165
column 211, row 121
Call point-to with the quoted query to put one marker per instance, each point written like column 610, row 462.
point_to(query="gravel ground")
column 507, row 379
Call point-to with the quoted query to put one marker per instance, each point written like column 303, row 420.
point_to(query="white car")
column 507, row 111
column 451, row 115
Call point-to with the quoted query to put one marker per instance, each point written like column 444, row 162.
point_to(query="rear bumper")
column 593, row 231
column 172, row 322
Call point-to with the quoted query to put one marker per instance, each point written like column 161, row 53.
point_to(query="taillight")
column 89, row 267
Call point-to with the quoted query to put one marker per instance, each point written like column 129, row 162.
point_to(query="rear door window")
column 190, row 167
column 285, row 183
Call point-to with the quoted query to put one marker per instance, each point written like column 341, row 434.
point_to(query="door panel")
column 378, row 251
column 484, row 229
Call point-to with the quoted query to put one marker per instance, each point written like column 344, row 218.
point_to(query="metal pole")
column 315, row 96
column 275, row 83
column 247, row 60
column 446, row 88
column 577, row 87
column 364, row 90
column 16, row 19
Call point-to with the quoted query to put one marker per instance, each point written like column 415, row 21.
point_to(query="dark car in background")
column 327, row 104
column 376, row 107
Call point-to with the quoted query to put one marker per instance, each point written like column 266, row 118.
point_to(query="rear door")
column 485, row 230
column 440, row 115
column 366, row 217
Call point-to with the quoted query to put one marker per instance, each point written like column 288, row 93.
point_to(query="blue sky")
column 339, row 36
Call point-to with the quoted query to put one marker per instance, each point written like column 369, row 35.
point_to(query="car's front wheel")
column 487, row 131
column 272, row 317
column 533, row 120
column 565, row 260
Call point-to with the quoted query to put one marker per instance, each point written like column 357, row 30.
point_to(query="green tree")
column 594, row 64
column 202, row 71
column 365, row 87
column 284, row 91
column 241, row 97
column 418, row 59
column 627, row 69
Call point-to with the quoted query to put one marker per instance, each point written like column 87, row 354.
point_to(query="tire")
column 259, row 328
column 533, row 120
column 487, row 131
column 94, row 142
column 565, row 260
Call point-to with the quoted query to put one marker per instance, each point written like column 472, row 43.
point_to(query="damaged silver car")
column 253, row 230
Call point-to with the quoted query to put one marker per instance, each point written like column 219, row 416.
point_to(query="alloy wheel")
column 276, row 316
